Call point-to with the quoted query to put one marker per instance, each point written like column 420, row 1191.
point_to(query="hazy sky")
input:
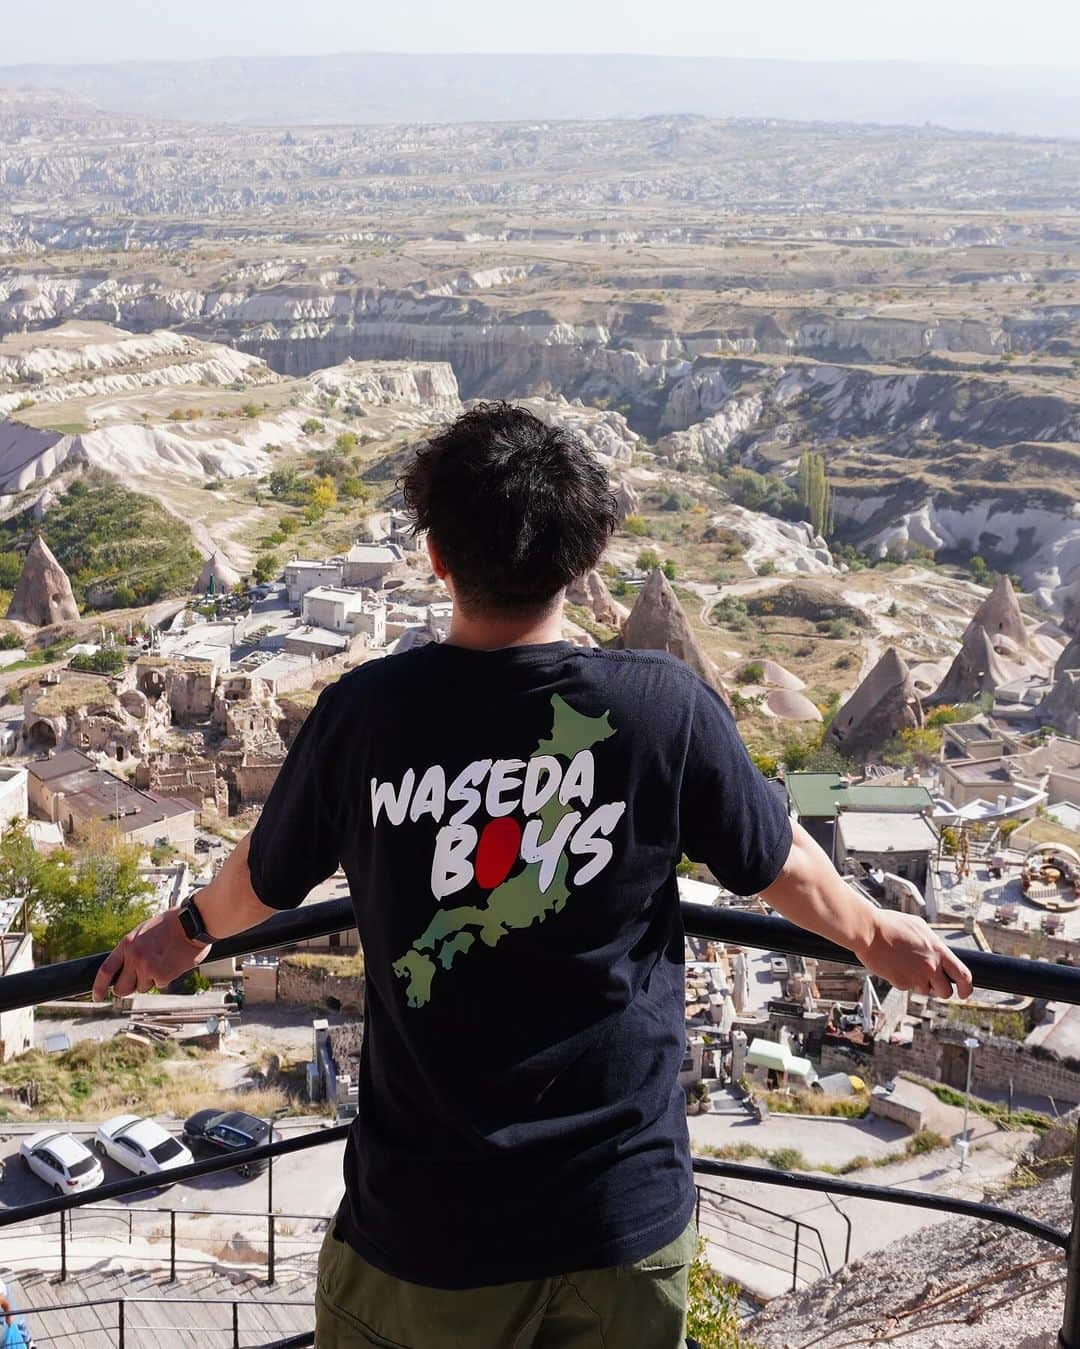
column 994, row 32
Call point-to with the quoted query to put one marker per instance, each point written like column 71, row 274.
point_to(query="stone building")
column 899, row 843
column 339, row 609
column 370, row 564
column 69, row 788
column 304, row 574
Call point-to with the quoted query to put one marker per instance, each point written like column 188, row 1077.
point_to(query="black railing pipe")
column 1005, row 974
column 1069, row 1335
column 72, row 978
column 967, row 1208
column 1030, row 978
column 117, row 1189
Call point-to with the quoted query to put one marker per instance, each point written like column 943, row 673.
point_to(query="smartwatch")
column 191, row 920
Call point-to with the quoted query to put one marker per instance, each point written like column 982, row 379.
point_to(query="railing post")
column 270, row 1249
column 236, row 1325
column 120, row 1323
column 795, row 1260
column 63, row 1246
column 172, row 1245
column 1069, row 1335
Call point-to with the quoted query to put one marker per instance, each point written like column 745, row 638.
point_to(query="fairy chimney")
column 977, row 669
column 591, row 592
column 626, row 501
column 43, row 593
column 217, row 577
column 884, row 704
column 1000, row 614
column 657, row 622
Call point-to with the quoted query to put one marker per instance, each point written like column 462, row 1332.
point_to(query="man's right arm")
column 897, row 946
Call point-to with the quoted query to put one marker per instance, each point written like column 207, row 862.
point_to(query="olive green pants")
column 639, row 1306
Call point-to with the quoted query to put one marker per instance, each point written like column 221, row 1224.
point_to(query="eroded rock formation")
column 884, row 704
column 218, row 576
column 976, row 670
column 657, row 622
column 43, row 594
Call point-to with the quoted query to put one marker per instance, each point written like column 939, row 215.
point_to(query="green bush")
column 648, row 559
column 788, row 1159
column 107, row 537
column 11, row 565
column 712, row 1306
column 312, row 426
column 753, row 673
column 192, row 982
column 109, row 660
column 266, row 567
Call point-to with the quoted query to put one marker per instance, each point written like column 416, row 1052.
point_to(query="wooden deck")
column 194, row 1313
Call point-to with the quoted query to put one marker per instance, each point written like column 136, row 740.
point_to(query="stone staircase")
column 201, row 1309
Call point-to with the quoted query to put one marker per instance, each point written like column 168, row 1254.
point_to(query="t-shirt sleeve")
column 730, row 818
column 296, row 843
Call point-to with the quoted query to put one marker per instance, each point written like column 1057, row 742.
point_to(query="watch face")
column 191, row 922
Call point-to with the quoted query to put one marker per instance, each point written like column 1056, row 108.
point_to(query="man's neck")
column 488, row 632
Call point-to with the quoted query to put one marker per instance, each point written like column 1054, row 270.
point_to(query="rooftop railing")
column 1031, row 978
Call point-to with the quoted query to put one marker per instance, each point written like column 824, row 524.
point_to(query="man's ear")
column 437, row 564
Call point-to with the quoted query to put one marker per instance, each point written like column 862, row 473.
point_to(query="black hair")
column 515, row 508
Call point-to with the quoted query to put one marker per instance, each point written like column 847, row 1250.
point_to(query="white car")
column 62, row 1162
column 140, row 1145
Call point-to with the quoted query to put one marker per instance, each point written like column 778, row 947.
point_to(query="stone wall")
column 260, row 981
column 1016, row 941
column 254, row 780
column 313, row 986
column 345, row 1041
column 190, row 691
column 939, row 1054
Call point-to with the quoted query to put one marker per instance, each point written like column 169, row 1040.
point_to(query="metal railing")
column 714, row 1210
column 184, row 1245
column 1033, row 978
column 123, row 1323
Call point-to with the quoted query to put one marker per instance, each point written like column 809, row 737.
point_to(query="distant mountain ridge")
column 405, row 87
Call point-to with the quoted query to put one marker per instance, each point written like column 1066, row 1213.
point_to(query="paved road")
column 757, row 1249
column 304, row 1183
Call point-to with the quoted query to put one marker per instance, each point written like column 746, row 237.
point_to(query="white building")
column 349, row 611
column 14, row 803
column 302, row 575
column 16, row 1027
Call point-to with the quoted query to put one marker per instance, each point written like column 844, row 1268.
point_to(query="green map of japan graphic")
column 518, row 902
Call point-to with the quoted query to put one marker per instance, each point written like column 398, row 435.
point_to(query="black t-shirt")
column 510, row 823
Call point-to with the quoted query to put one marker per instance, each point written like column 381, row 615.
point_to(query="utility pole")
column 970, row 1044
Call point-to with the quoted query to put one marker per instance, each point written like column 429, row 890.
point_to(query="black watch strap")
column 191, row 920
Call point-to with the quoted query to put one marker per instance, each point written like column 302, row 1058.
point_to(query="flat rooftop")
column 884, row 831
column 971, row 731
column 977, row 771
column 374, row 553
column 824, row 795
